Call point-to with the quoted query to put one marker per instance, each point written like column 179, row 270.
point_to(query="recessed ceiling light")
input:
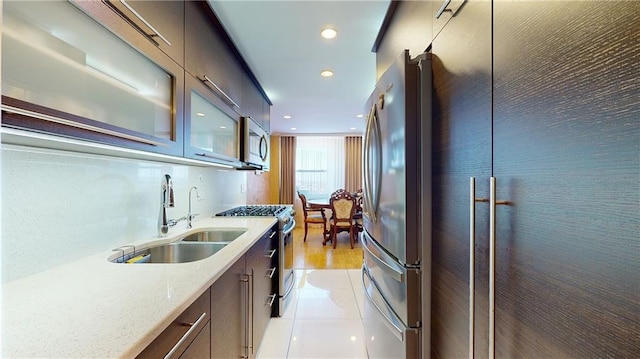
column 360, row 116
column 286, row 117
column 352, row 128
column 200, row 114
column 293, row 128
column 328, row 33
column 326, row 73
column 223, row 127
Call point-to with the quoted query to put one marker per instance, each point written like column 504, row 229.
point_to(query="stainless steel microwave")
column 255, row 145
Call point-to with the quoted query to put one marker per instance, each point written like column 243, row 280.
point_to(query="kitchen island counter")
column 94, row 308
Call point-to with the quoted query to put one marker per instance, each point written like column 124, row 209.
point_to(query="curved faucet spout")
column 191, row 216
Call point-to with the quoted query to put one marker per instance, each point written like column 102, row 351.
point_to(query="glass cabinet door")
column 63, row 72
column 212, row 129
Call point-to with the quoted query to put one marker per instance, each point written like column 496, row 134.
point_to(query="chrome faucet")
column 191, row 216
column 167, row 200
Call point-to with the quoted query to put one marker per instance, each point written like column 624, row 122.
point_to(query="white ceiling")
column 281, row 43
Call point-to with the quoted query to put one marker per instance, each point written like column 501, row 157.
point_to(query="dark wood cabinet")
column 229, row 300
column 211, row 128
column 254, row 105
column 208, row 55
column 94, row 86
column 461, row 149
column 566, row 134
column 537, row 95
column 188, row 336
column 261, row 266
column 160, row 22
column 241, row 301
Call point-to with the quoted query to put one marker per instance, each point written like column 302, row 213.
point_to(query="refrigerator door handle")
column 375, row 193
column 393, row 272
column 396, row 330
column 366, row 166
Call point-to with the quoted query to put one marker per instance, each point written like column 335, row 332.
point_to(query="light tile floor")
column 323, row 320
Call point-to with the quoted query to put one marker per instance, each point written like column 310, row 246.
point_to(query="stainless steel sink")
column 215, row 235
column 175, row 252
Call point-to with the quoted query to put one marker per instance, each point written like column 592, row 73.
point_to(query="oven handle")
column 292, row 226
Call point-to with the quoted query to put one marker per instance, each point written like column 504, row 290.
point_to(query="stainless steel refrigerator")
column 397, row 211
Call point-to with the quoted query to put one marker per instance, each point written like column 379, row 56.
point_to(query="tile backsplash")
column 58, row 206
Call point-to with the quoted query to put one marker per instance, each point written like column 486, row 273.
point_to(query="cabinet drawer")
column 182, row 331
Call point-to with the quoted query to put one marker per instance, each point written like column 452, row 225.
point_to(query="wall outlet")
column 243, row 187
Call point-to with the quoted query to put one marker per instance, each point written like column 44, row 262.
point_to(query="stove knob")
column 293, row 212
column 286, row 220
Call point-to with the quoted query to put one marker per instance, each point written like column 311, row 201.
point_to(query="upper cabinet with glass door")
column 65, row 73
column 212, row 128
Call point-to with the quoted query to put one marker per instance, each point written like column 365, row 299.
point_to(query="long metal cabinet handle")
column 245, row 280
column 472, row 261
column 443, row 8
column 155, row 32
column 492, row 265
column 208, row 80
column 270, row 272
column 186, row 335
column 62, row 121
column 272, row 298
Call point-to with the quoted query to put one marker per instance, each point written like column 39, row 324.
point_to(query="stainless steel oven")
column 286, row 224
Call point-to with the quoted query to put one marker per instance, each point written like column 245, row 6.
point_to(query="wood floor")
column 313, row 255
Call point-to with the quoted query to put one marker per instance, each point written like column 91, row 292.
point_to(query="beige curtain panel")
column 353, row 163
column 287, row 169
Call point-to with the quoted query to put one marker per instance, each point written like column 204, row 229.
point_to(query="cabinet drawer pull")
column 271, row 253
column 155, row 32
column 186, row 335
column 271, row 299
column 443, row 8
column 207, row 79
column 271, row 272
column 272, row 234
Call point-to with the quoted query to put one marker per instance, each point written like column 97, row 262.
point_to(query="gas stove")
column 286, row 224
column 256, row 211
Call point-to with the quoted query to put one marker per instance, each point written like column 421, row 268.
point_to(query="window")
column 319, row 166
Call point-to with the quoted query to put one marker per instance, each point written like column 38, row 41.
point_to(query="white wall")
column 58, row 206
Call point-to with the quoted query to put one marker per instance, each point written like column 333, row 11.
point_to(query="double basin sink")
column 191, row 248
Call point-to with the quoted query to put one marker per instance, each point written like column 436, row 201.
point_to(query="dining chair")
column 312, row 215
column 358, row 213
column 343, row 206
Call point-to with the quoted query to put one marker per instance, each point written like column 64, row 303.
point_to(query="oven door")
column 255, row 146
column 285, row 269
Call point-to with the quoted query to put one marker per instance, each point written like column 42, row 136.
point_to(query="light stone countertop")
column 92, row 308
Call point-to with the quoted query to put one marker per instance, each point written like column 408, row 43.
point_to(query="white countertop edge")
column 94, row 308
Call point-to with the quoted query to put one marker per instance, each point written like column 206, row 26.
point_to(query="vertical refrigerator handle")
column 492, row 265
column 472, row 261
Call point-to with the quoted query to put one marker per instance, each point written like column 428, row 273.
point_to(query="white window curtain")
column 320, row 164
